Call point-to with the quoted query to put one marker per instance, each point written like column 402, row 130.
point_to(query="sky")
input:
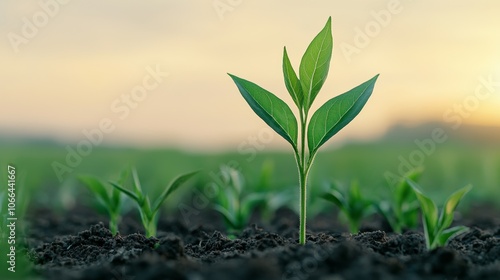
column 154, row 72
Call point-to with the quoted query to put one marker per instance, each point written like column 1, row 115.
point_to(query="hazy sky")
column 67, row 66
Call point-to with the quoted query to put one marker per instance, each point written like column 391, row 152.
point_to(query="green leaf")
column 276, row 200
column 357, row 204
column 229, row 218
column 250, row 201
column 97, row 188
column 409, row 217
column 403, row 189
column 146, row 208
column 449, row 234
column 116, row 198
column 336, row 198
column 176, row 183
column 124, row 176
column 270, row 109
column 354, row 192
column 126, row 192
column 336, row 113
column 429, row 213
column 137, row 184
column 451, row 203
column 237, row 180
column 292, row 83
column 315, row 64
column 384, row 208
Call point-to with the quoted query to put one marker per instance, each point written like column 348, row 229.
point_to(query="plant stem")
column 151, row 228
column 113, row 223
column 303, row 167
column 353, row 226
column 303, row 201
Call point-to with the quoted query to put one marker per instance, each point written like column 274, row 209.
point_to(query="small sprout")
column 235, row 207
column 265, row 175
column 274, row 199
column 437, row 233
column 111, row 201
column 401, row 211
column 148, row 211
column 306, row 133
column 352, row 205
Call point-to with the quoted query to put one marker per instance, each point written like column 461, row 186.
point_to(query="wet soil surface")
column 78, row 245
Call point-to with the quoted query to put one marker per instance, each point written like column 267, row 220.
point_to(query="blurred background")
column 88, row 87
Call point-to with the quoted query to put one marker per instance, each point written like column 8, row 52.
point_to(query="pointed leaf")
column 315, row 64
column 124, row 176
column 336, row 198
column 354, row 192
column 116, row 198
column 146, row 208
column 127, row 192
column 384, row 208
column 429, row 213
column 137, row 184
column 176, row 183
column 270, row 109
column 237, row 180
column 97, row 188
column 336, row 113
column 292, row 83
column 225, row 178
column 403, row 190
column 233, row 186
column 451, row 203
column 450, row 233
column 229, row 218
column 249, row 203
column 278, row 199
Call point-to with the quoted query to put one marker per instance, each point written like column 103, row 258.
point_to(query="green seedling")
column 436, row 231
column 352, row 205
column 401, row 211
column 274, row 199
column 148, row 211
column 235, row 207
column 110, row 200
column 329, row 119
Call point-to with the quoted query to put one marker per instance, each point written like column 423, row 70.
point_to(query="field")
column 64, row 229
column 270, row 140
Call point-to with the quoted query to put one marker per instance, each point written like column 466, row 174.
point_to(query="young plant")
column 401, row 211
column 312, row 132
column 273, row 199
column 148, row 211
column 110, row 200
column 436, row 225
column 352, row 205
column 231, row 203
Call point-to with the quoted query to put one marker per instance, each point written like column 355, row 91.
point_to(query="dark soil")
column 78, row 245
